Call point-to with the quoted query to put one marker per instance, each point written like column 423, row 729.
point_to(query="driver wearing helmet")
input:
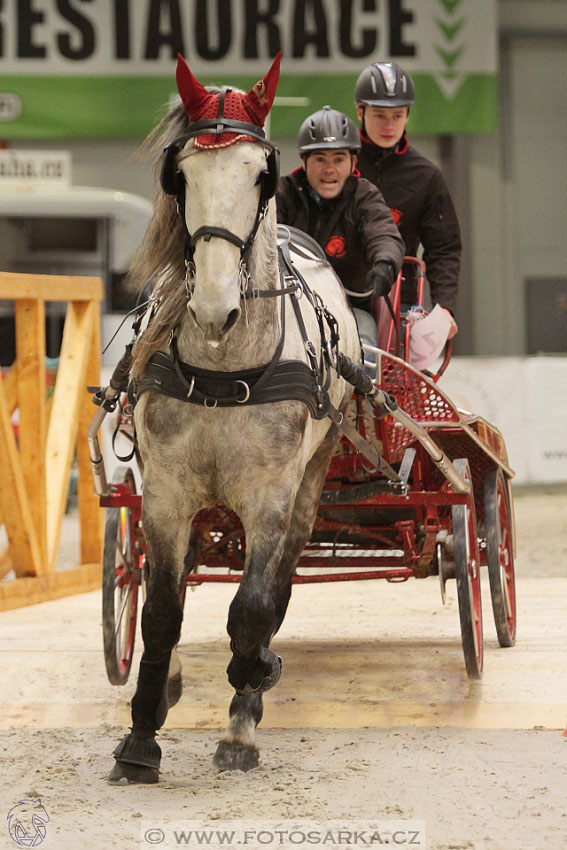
column 412, row 186
column 344, row 213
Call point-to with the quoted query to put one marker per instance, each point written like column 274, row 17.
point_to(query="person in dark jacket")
column 344, row 213
column 412, row 186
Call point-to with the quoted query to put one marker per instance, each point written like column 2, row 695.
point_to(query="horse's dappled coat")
column 266, row 463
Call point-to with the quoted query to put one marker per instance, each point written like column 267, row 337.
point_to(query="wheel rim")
column 500, row 557
column 473, row 576
column 467, row 572
column 505, row 559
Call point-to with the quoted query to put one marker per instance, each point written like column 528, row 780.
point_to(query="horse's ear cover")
column 169, row 177
column 250, row 108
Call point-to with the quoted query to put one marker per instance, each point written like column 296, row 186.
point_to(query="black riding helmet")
column 384, row 84
column 328, row 129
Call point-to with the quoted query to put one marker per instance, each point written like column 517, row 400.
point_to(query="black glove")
column 381, row 277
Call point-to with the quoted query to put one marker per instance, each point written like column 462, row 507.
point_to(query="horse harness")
column 290, row 380
column 278, row 380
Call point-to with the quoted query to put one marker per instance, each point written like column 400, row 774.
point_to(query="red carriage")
column 437, row 502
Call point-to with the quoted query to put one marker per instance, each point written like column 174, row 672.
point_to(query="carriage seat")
column 297, row 237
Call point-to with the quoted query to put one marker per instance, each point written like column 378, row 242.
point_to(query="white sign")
column 524, row 397
column 118, row 37
column 35, row 168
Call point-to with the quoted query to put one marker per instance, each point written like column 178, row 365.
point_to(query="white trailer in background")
column 72, row 230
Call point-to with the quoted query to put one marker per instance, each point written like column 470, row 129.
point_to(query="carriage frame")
column 439, row 504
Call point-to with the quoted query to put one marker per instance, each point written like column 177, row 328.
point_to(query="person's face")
column 384, row 124
column 327, row 171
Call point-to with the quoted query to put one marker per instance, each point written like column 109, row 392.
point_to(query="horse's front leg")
column 254, row 668
column 237, row 750
column 138, row 755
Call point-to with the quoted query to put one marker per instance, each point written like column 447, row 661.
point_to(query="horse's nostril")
column 232, row 319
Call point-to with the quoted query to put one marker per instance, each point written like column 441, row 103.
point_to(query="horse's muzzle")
column 217, row 328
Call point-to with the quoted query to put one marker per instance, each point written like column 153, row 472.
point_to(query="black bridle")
column 173, row 184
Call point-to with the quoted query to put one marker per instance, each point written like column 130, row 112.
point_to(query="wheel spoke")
column 125, row 597
column 120, row 581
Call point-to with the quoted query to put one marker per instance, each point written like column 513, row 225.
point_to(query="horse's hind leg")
column 138, row 755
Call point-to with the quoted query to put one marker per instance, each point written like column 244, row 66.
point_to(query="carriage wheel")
column 121, row 578
column 467, row 572
column 500, row 556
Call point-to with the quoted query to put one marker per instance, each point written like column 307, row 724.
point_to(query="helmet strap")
column 362, row 122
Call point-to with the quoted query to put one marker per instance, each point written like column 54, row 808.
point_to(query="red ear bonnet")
column 252, row 107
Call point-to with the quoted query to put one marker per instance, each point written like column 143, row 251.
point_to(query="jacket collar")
column 377, row 153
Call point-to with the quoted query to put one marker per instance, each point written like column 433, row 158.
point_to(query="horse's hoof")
column 124, row 773
column 232, row 756
column 138, row 758
column 257, row 676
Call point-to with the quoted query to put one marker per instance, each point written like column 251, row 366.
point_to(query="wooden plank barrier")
column 35, row 467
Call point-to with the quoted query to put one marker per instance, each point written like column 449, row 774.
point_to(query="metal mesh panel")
column 417, row 396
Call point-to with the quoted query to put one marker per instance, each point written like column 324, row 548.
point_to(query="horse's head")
column 223, row 172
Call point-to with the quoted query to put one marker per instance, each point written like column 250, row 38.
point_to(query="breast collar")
column 287, row 380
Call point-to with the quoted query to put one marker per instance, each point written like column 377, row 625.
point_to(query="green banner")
column 56, row 107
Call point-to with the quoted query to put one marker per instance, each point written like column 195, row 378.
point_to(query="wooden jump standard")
column 35, row 468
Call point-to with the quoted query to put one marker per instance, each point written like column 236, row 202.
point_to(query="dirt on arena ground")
column 493, row 787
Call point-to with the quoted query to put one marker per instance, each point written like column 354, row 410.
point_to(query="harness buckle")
column 243, row 278
column 291, row 280
column 331, row 352
column 310, row 348
column 246, row 392
column 191, row 387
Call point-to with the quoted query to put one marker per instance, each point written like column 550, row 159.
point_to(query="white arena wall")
column 526, row 398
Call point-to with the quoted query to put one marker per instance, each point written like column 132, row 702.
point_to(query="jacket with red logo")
column 355, row 229
column 414, row 189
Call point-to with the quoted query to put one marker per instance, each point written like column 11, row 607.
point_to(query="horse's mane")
column 159, row 260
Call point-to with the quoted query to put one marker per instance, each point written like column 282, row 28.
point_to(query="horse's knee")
column 250, row 621
column 254, row 675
